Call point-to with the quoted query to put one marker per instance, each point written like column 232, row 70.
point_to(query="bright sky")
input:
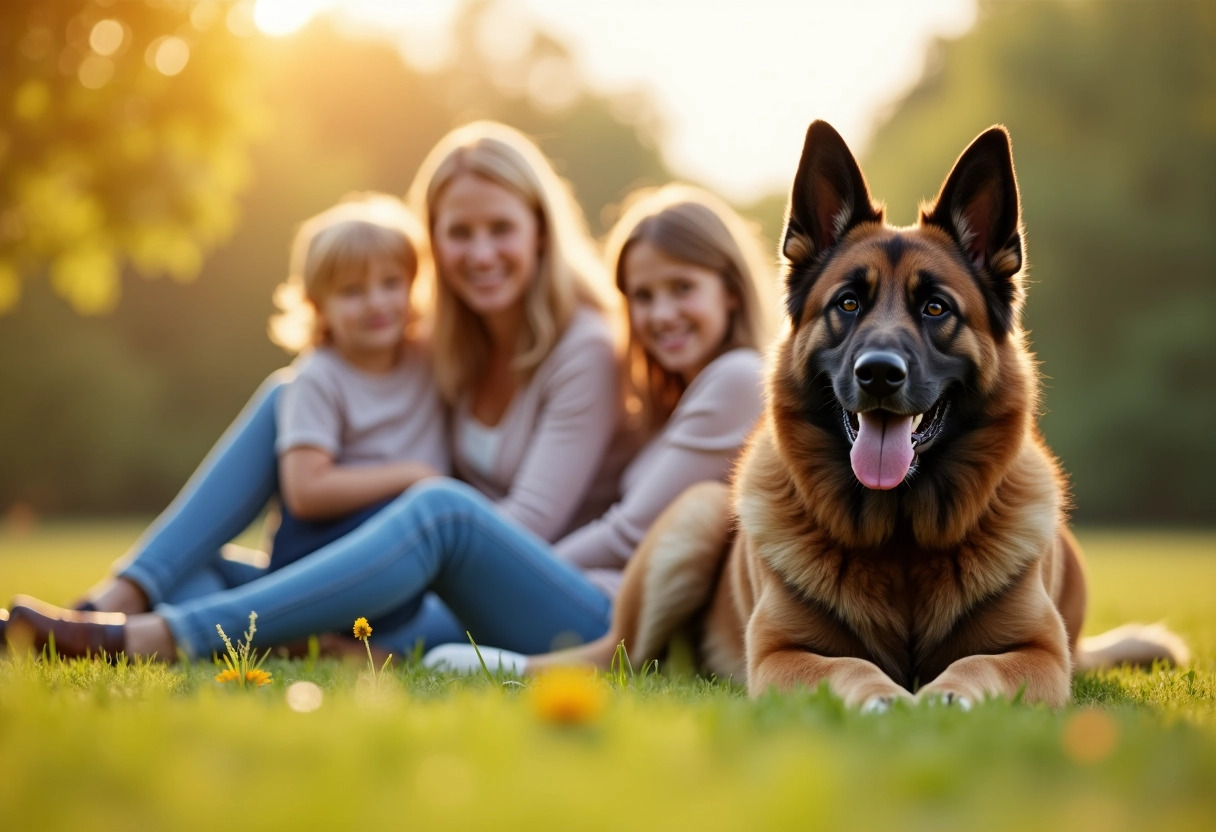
column 736, row 81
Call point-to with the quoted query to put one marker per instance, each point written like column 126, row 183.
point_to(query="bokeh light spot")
column 95, row 72
column 168, row 55
column 304, row 697
column 107, row 37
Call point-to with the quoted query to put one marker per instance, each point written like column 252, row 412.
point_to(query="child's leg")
column 226, row 494
column 499, row 579
column 234, row 566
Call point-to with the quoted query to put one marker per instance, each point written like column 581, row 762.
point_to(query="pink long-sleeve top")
column 700, row 441
column 550, row 442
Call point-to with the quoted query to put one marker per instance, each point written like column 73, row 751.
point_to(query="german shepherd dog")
column 896, row 527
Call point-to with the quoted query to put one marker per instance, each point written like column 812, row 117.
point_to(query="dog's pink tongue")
column 882, row 453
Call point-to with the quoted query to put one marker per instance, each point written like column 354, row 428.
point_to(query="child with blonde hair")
column 362, row 420
column 356, row 421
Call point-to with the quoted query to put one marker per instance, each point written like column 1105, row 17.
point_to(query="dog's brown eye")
column 935, row 309
column 848, row 303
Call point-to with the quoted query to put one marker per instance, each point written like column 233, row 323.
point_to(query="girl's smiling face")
column 679, row 312
column 365, row 312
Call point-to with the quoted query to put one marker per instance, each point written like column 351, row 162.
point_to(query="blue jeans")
column 179, row 558
column 442, row 536
column 179, row 555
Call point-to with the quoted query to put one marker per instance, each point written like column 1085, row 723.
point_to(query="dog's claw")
column 951, row 699
column 876, row 705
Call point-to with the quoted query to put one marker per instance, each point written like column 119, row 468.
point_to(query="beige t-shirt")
column 700, row 442
column 363, row 418
column 550, row 441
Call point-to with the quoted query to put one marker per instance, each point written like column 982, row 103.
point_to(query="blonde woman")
column 693, row 284
column 524, row 351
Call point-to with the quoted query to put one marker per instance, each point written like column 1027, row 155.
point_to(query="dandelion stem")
column 370, row 662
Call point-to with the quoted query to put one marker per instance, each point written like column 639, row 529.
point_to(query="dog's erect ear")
column 829, row 197
column 978, row 205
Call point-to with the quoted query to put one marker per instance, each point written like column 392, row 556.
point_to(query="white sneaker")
column 462, row 658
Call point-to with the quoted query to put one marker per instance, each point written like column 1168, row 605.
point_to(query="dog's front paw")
column 877, row 705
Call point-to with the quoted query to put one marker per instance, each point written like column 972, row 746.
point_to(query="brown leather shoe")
column 32, row 623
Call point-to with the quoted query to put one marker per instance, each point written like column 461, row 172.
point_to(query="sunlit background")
column 155, row 156
column 732, row 84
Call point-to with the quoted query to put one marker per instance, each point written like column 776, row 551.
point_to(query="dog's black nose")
column 880, row 373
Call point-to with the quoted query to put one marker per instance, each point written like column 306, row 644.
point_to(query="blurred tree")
column 125, row 140
column 1112, row 109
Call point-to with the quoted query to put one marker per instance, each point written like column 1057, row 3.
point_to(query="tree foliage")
column 1112, row 110
column 125, row 141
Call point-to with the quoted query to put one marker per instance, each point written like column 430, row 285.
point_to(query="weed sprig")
column 242, row 663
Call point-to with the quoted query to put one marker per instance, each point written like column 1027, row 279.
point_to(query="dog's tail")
column 1133, row 644
column 691, row 540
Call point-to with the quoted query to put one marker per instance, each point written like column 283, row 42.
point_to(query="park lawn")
column 151, row 746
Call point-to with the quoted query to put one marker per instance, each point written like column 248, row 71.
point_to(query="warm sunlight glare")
column 282, row 17
column 734, row 91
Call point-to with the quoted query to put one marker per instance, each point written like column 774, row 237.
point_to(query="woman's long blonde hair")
column 695, row 227
column 347, row 236
column 569, row 273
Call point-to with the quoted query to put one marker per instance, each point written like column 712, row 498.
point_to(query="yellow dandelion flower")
column 258, row 677
column 363, row 630
column 568, row 696
column 228, row 675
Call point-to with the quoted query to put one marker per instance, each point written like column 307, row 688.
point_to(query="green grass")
column 165, row 747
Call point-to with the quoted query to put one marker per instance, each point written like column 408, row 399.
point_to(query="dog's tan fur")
column 963, row 582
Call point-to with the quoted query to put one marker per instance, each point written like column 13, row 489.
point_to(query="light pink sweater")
column 554, row 432
column 700, row 442
column 362, row 418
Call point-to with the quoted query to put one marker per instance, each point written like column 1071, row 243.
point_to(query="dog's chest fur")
column 898, row 604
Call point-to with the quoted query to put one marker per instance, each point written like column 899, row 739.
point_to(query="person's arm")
column 580, row 409
column 700, row 442
column 313, row 486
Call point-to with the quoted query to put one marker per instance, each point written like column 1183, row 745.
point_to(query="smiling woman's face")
column 486, row 242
